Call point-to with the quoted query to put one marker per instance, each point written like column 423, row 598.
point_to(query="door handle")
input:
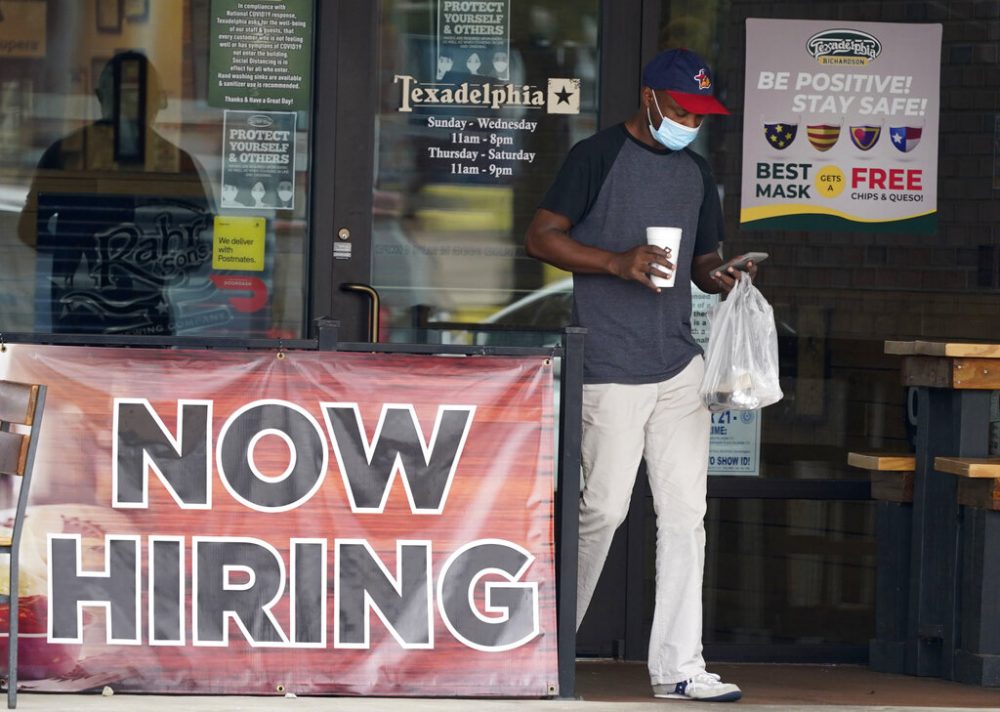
column 374, row 306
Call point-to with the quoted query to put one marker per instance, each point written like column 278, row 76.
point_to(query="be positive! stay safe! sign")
column 840, row 127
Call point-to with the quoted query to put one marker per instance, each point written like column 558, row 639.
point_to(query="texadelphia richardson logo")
column 560, row 96
column 843, row 46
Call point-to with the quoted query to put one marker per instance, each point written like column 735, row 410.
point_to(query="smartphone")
column 740, row 263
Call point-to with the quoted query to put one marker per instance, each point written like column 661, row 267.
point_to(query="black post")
column 893, row 531
column 978, row 660
column 950, row 423
column 421, row 314
column 935, row 528
column 327, row 333
column 568, row 505
column 636, row 633
column 976, row 640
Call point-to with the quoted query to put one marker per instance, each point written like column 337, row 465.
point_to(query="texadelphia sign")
column 221, row 522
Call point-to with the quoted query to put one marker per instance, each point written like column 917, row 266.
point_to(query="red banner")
column 317, row 523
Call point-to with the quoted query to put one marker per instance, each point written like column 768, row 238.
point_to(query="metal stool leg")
column 12, row 633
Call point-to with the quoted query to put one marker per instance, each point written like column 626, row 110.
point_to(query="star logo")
column 563, row 96
column 704, row 81
column 780, row 135
column 905, row 138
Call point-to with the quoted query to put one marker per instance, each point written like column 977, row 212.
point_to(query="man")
column 120, row 219
column 642, row 367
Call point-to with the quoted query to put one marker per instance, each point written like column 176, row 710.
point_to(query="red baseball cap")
column 686, row 78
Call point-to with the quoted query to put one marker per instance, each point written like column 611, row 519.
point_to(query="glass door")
column 478, row 104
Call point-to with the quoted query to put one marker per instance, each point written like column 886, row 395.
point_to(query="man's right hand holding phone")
column 727, row 273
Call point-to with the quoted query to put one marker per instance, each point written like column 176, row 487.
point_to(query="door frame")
column 343, row 154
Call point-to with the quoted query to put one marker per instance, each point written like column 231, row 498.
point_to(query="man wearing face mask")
column 642, row 367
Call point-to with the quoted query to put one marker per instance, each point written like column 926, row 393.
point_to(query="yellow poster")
column 22, row 32
column 238, row 243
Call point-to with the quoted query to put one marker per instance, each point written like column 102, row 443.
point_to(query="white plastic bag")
column 741, row 363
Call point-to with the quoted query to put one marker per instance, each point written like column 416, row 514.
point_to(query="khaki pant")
column 667, row 425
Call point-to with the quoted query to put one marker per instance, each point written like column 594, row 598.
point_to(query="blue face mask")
column 671, row 134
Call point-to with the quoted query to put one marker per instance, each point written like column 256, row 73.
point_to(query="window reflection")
column 109, row 257
column 791, row 571
column 457, row 184
column 111, row 183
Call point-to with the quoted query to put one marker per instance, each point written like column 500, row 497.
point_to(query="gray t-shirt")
column 612, row 187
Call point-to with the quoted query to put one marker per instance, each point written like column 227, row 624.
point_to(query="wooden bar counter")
column 953, row 608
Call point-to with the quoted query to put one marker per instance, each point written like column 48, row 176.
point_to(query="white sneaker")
column 705, row 686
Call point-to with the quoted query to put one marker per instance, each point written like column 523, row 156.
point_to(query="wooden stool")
column 979, row 483
column 891, row 474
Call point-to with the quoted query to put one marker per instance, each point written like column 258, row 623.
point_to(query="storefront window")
column 789, row 572
column 476, row 116
column 153, row 166
column 782, row 572
column 798, row 571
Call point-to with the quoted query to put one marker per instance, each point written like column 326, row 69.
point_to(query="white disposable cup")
column 669, row 238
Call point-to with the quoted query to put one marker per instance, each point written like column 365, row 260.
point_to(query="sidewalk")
column 604, row 686
column 130, row 703
column 795, row 686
